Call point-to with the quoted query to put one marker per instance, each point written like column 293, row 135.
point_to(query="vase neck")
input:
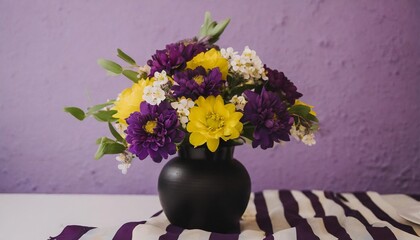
column 202, row 153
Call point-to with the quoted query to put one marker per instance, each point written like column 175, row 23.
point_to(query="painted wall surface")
column 358, row 62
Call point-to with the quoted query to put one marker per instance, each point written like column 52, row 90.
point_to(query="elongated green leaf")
column 110, row 66
column 204, row 28
column 125, row 57
column 105, row 116
column 76, row 112
column 312, row 118
column 115, row 133
column 300, row 110
column 239, row 90
column 104, row 139
column 108, row 73
column 217, row 31
column 98, row 141
column 303, row 112
column 132, row 75
column 211, row 30
column 107, row 146
column 98, row 107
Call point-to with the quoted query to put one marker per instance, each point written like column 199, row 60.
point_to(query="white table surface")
column 39, row 216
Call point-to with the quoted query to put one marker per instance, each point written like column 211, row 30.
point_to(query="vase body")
column 204, row 190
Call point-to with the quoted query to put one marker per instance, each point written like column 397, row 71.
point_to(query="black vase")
column 205, row 190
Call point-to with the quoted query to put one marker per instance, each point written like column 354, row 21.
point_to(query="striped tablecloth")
column 283, row 214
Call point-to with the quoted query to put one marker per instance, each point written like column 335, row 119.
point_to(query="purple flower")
column 269, row 116
column 278, row 82
column 153, row 131
column 174, row 57
column 195, row 83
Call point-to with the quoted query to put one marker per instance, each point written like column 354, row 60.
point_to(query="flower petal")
column 212, row 144
column 196, row 139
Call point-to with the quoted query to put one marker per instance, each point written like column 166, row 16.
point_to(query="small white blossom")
column 153, row 95
column 228, row 53
column 239, row 102
column 296, row 133
column 160, row 78
column 302, row 134
column 248, row 64
column 143, row 70
column 125, row 159
column 183, row 107
column 309, row 139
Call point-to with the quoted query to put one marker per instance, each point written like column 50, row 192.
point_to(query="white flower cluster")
column 154, row 94
column 143, row 70
column 248, row 64
column 239, row 102
column 125, row 159
column 183, row 107
column 301, row 134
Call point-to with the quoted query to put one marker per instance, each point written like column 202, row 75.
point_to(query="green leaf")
column 314, row 127
column 234, row 81
column 108, row 73
column 115, row 133
column 303, row 112
column 110, row 66
column 239, row 90
column 204, row 28
column 98, row 107
column 312, row 118
column 217, row 31
column 98, row 141
column 105, row 116
column 104, row 139
column 76, row 112
column 108, row 146
column 132, row 75
column 300, row 110
column 211, row 29
column 125, row 57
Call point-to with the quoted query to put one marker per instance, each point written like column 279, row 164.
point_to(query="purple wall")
column 357, row 61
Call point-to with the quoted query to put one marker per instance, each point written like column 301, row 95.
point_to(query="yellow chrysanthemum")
column 211, row 120
column 129, row 100
column 298, row 102
column 209, row 60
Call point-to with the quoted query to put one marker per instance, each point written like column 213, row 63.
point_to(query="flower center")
column 150, row 127
column 199, row 79
column 214, row 121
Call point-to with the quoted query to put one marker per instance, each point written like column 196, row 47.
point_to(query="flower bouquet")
column 198, row 99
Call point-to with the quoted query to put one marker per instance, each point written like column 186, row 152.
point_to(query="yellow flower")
column 209, row 60
column 129, row 100
column 211, row 120
column 298, row 102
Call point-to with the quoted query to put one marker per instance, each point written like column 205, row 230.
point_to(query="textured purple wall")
column 357, row 61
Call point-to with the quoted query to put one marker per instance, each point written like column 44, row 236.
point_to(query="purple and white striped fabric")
column 283, row 214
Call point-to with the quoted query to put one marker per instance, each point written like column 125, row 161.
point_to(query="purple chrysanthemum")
column 278, row 82
column 195, row 83
column 153, row 131
column 174, row 57
column 269, row 116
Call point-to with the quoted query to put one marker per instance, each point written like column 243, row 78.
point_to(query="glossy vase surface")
column 205, row 190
